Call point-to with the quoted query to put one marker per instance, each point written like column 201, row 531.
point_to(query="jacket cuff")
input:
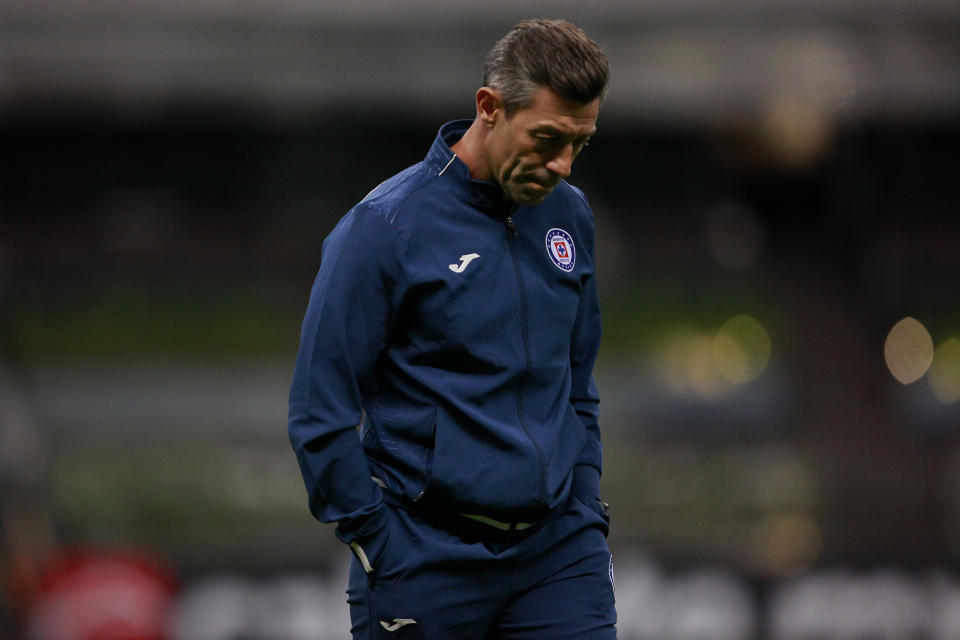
column 586, row 480
column 351, row 529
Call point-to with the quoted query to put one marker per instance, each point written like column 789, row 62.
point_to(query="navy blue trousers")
column 554, row 582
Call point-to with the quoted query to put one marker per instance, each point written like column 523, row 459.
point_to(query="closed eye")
column 548, row 140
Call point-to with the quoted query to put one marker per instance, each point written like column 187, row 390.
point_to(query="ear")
column 489, row 105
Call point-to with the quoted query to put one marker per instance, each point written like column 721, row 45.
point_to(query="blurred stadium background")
column 778, row 209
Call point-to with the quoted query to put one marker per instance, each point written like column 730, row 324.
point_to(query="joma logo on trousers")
column 397, row 623
column 465, row 259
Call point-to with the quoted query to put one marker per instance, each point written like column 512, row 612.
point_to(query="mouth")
column 531, row 188
column 533, row 193
column 541, row 186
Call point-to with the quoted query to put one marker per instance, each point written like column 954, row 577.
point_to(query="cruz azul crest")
column 560, row 249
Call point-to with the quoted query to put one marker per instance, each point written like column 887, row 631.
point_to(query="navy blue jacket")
column 466, row 328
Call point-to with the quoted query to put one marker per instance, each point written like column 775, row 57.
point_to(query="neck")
column 469, row 149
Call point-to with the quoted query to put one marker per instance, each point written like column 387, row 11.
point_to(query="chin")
column 529, row 197
column 528, row 201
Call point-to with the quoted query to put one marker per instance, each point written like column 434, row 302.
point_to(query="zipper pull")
column 511, row 226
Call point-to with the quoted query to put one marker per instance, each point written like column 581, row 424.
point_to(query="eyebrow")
column 552, row 129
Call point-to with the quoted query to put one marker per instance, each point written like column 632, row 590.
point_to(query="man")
column 456, row 310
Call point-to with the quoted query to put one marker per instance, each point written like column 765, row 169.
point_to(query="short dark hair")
column 546, row 53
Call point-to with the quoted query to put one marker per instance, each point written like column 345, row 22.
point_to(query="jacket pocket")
column 399, row 445
column 369, row 549
column 479, row 468
column 428, row 457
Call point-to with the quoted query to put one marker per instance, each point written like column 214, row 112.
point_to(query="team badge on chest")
column 560, row 249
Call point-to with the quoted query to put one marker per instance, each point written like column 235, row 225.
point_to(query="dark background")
column 168, row 175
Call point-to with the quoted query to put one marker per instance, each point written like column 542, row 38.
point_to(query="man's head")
column 546, row 53
column 543, row 84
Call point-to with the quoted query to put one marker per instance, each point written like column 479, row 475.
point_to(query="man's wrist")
column 350, row 529
column 586, row 480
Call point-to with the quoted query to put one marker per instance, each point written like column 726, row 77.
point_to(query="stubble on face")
column 527, row 188
column 533, row 149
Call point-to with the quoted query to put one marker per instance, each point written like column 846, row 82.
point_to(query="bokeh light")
column 688, row 367
column 798, row 130
column 741, row 349
column 944, row 375
column 908, row 350
column 787, row 544
column 711, row 365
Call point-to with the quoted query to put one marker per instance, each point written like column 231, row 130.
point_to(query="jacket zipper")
column 511, row 234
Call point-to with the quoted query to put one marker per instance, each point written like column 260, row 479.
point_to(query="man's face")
column 533, row 150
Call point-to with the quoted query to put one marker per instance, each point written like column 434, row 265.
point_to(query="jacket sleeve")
column 346, row 326
column 583, row 391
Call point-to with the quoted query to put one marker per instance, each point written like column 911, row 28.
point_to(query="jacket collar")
column 485, row 196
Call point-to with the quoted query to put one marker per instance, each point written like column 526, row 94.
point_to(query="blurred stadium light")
column 908, row 350
column 741, row 349
column 945, row 371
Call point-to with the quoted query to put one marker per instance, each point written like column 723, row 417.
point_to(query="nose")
column 562, row 163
